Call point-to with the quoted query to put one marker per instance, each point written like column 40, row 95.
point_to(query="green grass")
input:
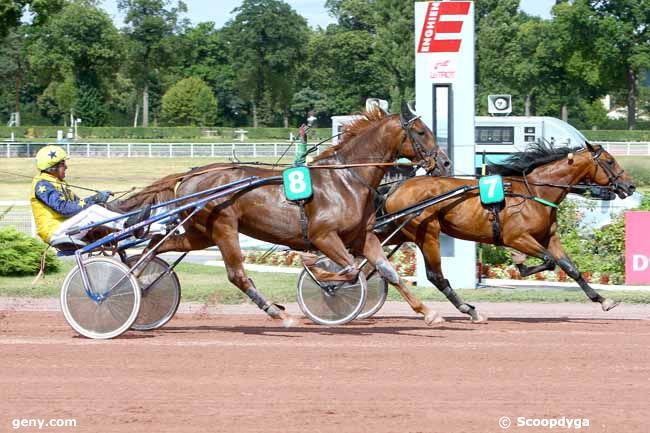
column 114, row 174
column 198, row 282
column 210, row 285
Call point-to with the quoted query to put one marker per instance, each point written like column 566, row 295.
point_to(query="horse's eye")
column 610, row 161
column 420, row 133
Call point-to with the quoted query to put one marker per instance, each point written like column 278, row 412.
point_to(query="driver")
column 56, row 208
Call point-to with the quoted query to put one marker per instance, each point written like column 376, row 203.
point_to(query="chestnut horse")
column 340, row 213
column 526, row 224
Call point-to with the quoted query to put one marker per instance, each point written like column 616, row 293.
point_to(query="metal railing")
column 223, row 150
column 19, row 215
column 153, row 150
column 626, row 148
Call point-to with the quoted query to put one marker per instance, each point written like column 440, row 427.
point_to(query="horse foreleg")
column 373, row 251
column 430, row 248
column 556, row 249
column 228, row 243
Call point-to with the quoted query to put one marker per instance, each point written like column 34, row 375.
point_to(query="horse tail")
column 159, row 191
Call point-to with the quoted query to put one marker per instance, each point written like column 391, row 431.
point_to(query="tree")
column 11, row 12
column 345, row 69
column 12, row 70
column 12, row 64
column 498, row 50
column 150, row 26
column 268, row 40
column 80, row 42
column 624, row 44
column 189, row 102
column 395, row 47
column 205, row 53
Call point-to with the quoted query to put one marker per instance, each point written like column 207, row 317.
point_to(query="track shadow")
column 585, row 320
column 129, row 335
column 357, row 327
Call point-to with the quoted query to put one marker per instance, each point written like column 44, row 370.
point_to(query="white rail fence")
column 153, row 150
column 19, row 215
column 224, row 150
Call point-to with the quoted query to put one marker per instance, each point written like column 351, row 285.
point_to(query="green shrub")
column 20, row 254
column 189, row 102
column 493, row 255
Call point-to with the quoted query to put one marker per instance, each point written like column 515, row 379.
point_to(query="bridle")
column 611, row 176
column 421, row 154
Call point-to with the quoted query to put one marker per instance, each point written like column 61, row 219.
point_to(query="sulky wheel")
column 107, row 311
column 336, row 303
column 377, row 293
column 160, row 296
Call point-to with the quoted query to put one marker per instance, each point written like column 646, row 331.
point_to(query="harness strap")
column 304, row 225
column 546, row 202
column 496, row 225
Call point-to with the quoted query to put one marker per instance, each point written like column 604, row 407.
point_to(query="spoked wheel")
column 336, row 303
column 107, row 317
column 160, row 296
column 377, row 293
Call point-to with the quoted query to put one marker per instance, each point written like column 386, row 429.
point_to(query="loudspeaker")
column 499, row 104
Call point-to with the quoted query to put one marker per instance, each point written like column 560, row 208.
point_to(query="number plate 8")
column 297, row 183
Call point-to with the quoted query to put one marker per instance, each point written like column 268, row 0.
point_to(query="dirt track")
column 210, row 371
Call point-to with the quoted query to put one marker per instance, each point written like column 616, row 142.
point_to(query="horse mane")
column 356, row 128
column 535, row 155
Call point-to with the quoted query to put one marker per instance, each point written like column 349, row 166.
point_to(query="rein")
column 69, row 184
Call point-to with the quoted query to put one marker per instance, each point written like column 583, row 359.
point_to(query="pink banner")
column 637, row 247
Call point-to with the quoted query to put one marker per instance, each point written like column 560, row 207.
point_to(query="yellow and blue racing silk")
column 52, row 203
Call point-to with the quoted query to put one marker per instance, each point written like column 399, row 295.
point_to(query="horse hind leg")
column 431, row 251
column 228, row 243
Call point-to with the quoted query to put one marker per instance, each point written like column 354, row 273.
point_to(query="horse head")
column 424, row 147
column 607, row 172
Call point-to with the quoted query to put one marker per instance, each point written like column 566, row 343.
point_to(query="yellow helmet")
column 49, row 156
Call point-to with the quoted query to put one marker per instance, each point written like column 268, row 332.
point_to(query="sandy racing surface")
column 230, row 369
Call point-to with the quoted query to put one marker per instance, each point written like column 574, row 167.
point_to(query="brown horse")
column 526, row 224
column 340, row 213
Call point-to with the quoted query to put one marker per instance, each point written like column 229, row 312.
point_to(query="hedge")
column 228, row 133
column 107, row 132
column 617, row 135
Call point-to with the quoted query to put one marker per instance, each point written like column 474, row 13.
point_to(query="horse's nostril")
column 632, row 188
column 447, row 164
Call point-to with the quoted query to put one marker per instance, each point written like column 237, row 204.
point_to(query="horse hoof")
column 288, row 322
column 475, row 317
column 433, row 318
column 608, row 304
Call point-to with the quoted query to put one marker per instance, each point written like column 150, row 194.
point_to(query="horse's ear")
column 406, row 113
column 590, row 147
